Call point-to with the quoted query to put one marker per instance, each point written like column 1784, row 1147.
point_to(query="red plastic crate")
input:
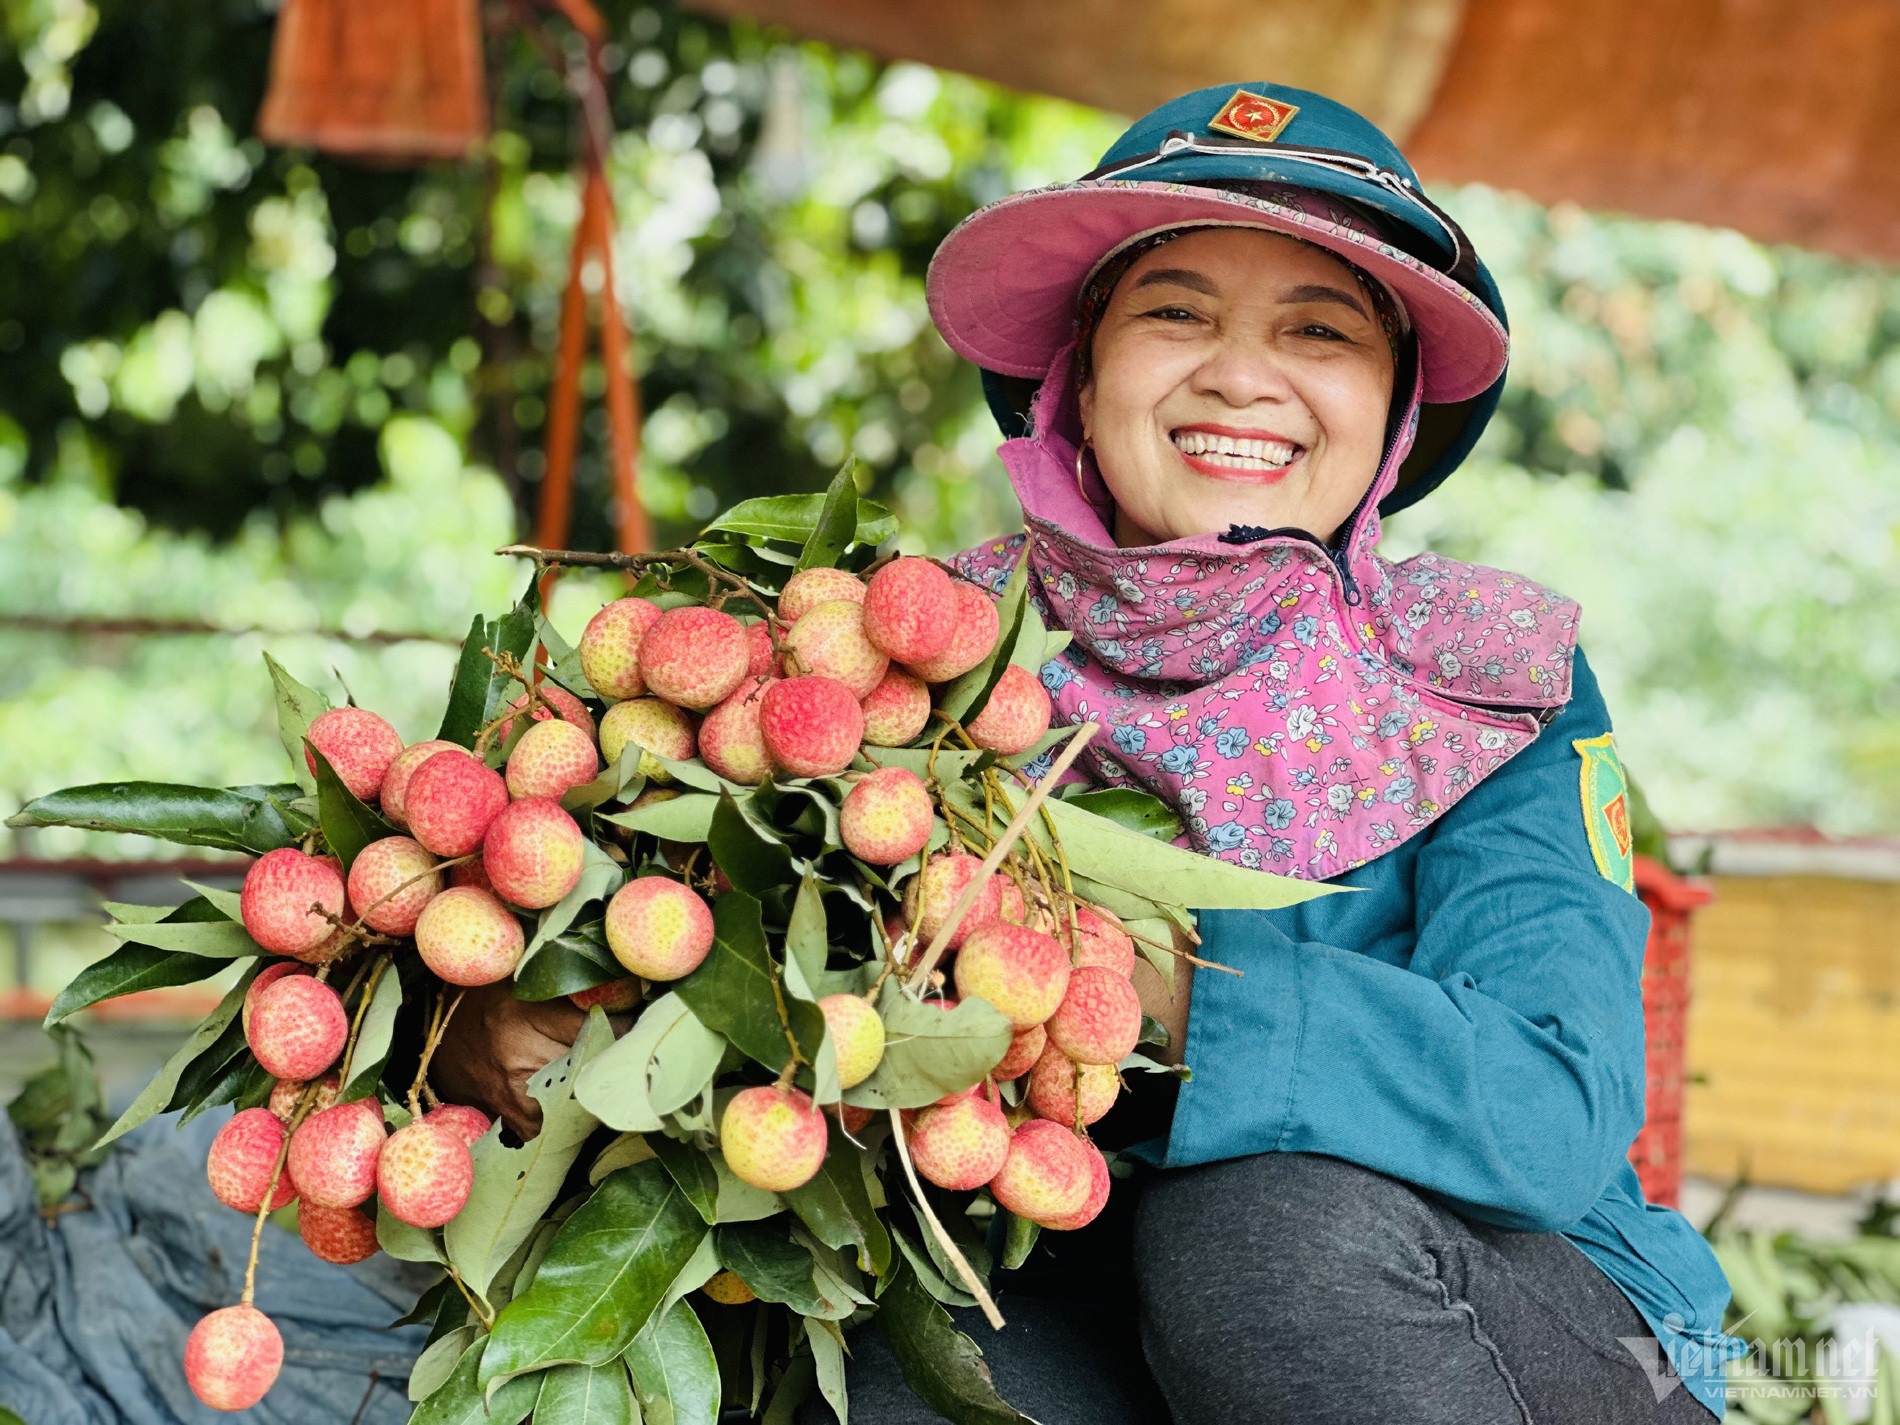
column 1657, row 1151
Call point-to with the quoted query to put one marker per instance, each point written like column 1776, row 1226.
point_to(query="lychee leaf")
column 575, row 960
column 587, row 1395
column 460, row 1400
column 1019, row 1239
column 734, row 991
column 682, row 818
column 216, row 939
column 127, row 970
column 158, row 1093
column 601, row 876
column 468, row 691
column 664, row 1061
column 965, row 698
column 692, row 1169
column 250, row 819
column 793, row 518
column 837, row 523
column 348, row 825
column 438, row 1361
column 941, row 1364
column 297, row 707
column 837, row 1208
column 1126, row 806
column 929, row 1052
column 674, row 1368
column 752, row 857
column 374, row 1038
column 764, row 1257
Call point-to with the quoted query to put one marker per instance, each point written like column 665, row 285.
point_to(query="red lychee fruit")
column 910, row 610
column 297, row 1028
column 1022, row 1054
column 960, row 1145
column 934, row 890
column 887, row 817
column 1016, row 716
column 567, row 708
column 232, row 1357
column 242, row 1158
column 533, row 853
column 283, row 1098
column 470, row 873
column 763, row 662
column 850, row 1117
column 1100, row 939
column 772, row 1138
column 333, row 1153
column 615, row 996
column 337, row 1234
column 812, row 726
column 1046, row 1176
column 1021, row 972
column 857, row 1036
column 829, row 642
column 285, row 900
column 1056, row 1081
column 550, row 758
column 359, row 747
column 396, row 779
column 379, row 869
column 468, row 937
column 896, row 710
column 659, row 929
column 1099, row 1020
column 730, row 740
column 267, row 977
column 1097, row 1199
column 424, row 1174
column 450, row 800
column 808, row 588
column 468, row 1123
column 971, row 638
column 694, row 656
column 610, row 647
column 653, row 727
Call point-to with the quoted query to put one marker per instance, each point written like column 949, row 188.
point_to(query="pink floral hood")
column 1304, row 715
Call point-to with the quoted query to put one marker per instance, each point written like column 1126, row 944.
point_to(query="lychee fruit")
column 284, row 1097
column 1021, row 972
column 812, row 726
column 694, row 656
column 1099, row 1019
column 887, row 817
column 910, row 610
column 396, row 779
column 333, row 1153
column 467, row 1122
column 972, row 636
column 615, row 996
column 610, row 647
column 297, row 1028
column 772, row 1138
column 1016, row 716
column 359, row 747
column 896, row 710
column 934, row 890
column 658, row 928
column 729, row 739
column 450, row 800
column 551, row 757
column 565, row 705
column 242, row 1158
column 763, row 662
column 286, row 898
column 1097, row 1199
column 829, row 642
column 267, row 977
column 1021, row 1056
column 379, row 869
column 808, row 588
column 960, row 1145
column 652, row 726
column 729, row 1289
column 533, row 853
column 232, row 1357
column 857, row 1036
column 424, row 1174
column 1100, row 939
column 468, row 937
column 1046, row 1175
column 851, row 1118
column 342, row 1235
column 1057, row 1081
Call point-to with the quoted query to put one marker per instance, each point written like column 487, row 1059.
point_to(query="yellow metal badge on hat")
column 1606, row 810
column 1253, row 116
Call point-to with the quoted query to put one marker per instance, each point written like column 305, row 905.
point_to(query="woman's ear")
column 1085, row 403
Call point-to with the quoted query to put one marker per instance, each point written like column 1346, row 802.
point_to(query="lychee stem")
column 475, row 1304
column 971, row 1280
column 1011, row 834
column 305, row 1102
column 356, row 1025
column 437, row 1028
column 644, row 562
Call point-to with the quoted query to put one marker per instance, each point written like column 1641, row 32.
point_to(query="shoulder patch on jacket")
column 1606, row 809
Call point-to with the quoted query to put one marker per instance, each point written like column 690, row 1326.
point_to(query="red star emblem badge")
column 1253, row 116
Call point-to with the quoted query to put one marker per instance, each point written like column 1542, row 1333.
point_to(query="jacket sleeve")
column 1500, row 1066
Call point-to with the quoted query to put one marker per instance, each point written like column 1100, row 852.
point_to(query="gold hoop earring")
column 1080, row 451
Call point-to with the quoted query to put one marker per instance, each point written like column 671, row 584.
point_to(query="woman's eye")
column 1321, row 330
column 1173, row 314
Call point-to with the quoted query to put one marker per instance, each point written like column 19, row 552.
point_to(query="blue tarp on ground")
column 95, row 1308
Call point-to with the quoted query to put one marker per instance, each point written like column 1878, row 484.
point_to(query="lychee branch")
column 306, row 1101
column 356, row 1025
column 444, row 1008
column 587, row 559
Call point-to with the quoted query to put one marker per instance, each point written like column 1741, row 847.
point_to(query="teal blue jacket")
column 1469, row 1020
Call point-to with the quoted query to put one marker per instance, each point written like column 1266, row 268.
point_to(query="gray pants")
column 1289, row 1287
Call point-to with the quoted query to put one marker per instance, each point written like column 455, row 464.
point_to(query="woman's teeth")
column 1240, row 452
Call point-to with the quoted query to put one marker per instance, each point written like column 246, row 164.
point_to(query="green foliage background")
column 270, row 390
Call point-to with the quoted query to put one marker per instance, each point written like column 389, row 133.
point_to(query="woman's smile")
column 1254, row 457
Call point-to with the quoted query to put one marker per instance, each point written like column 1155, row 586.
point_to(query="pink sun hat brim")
column 1004, row 284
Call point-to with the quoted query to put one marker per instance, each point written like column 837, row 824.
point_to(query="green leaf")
column 965, row 697
column 514, row 1187
column 586, row 1395
column 753, row 862
column 807, row 936
column 765, row 1258
column 683, row 818
column 438, row 1360
column 248, row 819
column 297, row 708
column 622, row 781
column 601, row 876
column 1019, row 1238
column 564, row 661
column 158, row 1093
column 827, row 1352
column 837, row 523
column 1135, row 810
column 468, row 692
column 663, row 1062
column 734, row 992
column 229, row 904
column 348, row 825
column 607, row 1271
column 576, row 960
column 459, row 1401
column 836, row 1206
column 210, row 939
column 739, row 1201
column 929, row 1052
column 675, row 1373
column 793, row 518
column 375, row 1037
column 127, row 970
column 941, row 1364
column 403, row 1242
column 513, row 633
column 692, row 1169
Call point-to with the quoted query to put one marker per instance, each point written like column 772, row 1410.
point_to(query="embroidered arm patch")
column 1606, row 809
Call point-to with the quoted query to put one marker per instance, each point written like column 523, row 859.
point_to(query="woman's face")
column 1239, row 377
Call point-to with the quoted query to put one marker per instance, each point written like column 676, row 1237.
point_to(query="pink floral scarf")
column 1304, row 715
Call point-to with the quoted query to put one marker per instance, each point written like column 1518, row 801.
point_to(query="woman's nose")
column 1241, row 373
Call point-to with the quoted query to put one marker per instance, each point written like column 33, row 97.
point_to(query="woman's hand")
column 494, row 1042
